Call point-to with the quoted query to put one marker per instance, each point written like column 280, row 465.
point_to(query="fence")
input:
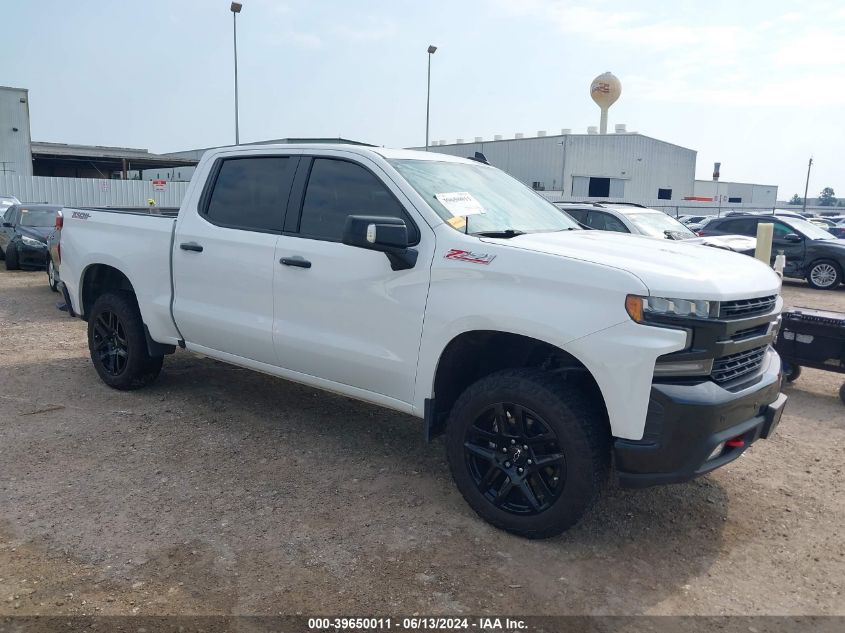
column 91, row 192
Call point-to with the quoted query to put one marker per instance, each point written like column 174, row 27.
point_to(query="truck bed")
column 135, row 243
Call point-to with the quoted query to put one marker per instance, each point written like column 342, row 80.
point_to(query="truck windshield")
column 505, row 204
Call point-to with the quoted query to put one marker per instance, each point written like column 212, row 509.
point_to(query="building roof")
column 486, row 141
column 105, row 155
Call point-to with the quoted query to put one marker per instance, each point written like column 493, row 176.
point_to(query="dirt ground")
column 223, row 491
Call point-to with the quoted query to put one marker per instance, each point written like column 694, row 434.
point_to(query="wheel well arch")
column 472, row 355
column 99, row 279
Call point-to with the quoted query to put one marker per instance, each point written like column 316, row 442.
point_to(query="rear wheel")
column 52, row 275
column 824, row 275
column 12, row 257
column 117, row 343
column 528, row 452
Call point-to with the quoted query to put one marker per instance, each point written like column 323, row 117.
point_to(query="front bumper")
column 35, row 256
column 687, row 422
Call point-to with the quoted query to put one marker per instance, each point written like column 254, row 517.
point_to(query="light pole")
column 235, row 8
column 431, row 51
column 807, row 186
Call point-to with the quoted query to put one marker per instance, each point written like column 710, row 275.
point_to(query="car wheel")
column 528, row 452
column 12, row 257
column 824, row 275
column 842, row 393
column 52, row 275
column 791, row 372
column 117, row 343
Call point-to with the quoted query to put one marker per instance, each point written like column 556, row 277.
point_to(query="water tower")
column 605, row 90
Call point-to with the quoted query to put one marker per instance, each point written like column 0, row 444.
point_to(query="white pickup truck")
column 443, row 288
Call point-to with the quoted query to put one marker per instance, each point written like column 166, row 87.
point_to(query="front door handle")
column 295, row 261
column 191, row 246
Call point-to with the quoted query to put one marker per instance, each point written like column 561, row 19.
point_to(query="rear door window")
column 251, row 193
column 606, row 222
column 745, row 226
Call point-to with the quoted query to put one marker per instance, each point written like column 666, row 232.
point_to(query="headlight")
column 31, row 242
column 639, row 308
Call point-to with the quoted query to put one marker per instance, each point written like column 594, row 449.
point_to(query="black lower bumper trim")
column 687, row 423
column 66, row 296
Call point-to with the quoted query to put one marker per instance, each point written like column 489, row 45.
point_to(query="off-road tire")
column 139, row 368
column 580, row 425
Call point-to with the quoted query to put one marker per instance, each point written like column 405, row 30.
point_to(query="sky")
column 756, row 85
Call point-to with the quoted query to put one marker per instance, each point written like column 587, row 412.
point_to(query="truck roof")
column 385, row 152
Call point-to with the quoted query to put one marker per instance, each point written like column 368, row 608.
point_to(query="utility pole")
column 807, row 186
column 431, row 50
column 235, row 8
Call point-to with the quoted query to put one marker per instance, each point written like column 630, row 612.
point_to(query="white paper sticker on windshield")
column 460, row 203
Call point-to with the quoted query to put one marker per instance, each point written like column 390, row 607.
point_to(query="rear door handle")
column 295, row 261
column 191, row 246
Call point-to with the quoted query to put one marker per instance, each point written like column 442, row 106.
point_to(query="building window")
column 734, row 199
column 664, row 194
column 599, row 188
column 538, row 186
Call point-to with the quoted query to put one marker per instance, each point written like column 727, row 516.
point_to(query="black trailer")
column 812, row 338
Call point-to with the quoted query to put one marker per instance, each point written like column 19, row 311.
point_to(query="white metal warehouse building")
column 623, row 166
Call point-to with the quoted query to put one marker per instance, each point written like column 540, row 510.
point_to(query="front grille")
column 734, row 366
column 742, row 308
column 750, row 332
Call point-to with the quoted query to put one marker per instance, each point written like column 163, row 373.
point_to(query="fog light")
column 717, row 451
column 666, row 367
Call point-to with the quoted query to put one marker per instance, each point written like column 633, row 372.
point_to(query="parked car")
column 444, row 288
column 812, row 253
column 6, row 202
column 639, row 220
column 54, row 254
column 687, row 220
column 23, row 234
column 838, row 230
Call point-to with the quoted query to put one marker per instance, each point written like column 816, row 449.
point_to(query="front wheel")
column 824, row 275
column 528, row 452
column 791, row 372
column 12, row 257
column 117, row 343
column 52, row 275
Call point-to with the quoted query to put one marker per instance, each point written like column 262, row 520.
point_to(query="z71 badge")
column 80, row 215
column 468, row 256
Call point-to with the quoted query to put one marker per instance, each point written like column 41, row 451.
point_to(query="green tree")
column 827, row 198
column 795, row 199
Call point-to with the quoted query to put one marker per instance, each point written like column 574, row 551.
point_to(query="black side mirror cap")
column 384, row 234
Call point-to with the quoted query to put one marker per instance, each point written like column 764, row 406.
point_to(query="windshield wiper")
column 505, row 234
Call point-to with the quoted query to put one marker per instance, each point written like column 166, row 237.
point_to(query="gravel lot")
column 222, row 491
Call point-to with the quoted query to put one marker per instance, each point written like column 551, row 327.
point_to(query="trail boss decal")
column 80, row 215
column 469, row 256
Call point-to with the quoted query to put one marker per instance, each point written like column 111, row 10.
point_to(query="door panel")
column 224, row 258
column 794, row 251
column 343, row 314
column 349, row 318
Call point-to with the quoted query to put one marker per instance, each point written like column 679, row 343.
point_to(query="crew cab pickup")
column 443, row 288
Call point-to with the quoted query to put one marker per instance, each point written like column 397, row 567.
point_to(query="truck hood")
column 39, row 233
column 668, row 268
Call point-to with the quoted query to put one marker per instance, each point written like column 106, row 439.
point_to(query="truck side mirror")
column 378, row 233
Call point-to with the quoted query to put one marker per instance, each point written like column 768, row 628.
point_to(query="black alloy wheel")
column 110, row 344
column 515, row 459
